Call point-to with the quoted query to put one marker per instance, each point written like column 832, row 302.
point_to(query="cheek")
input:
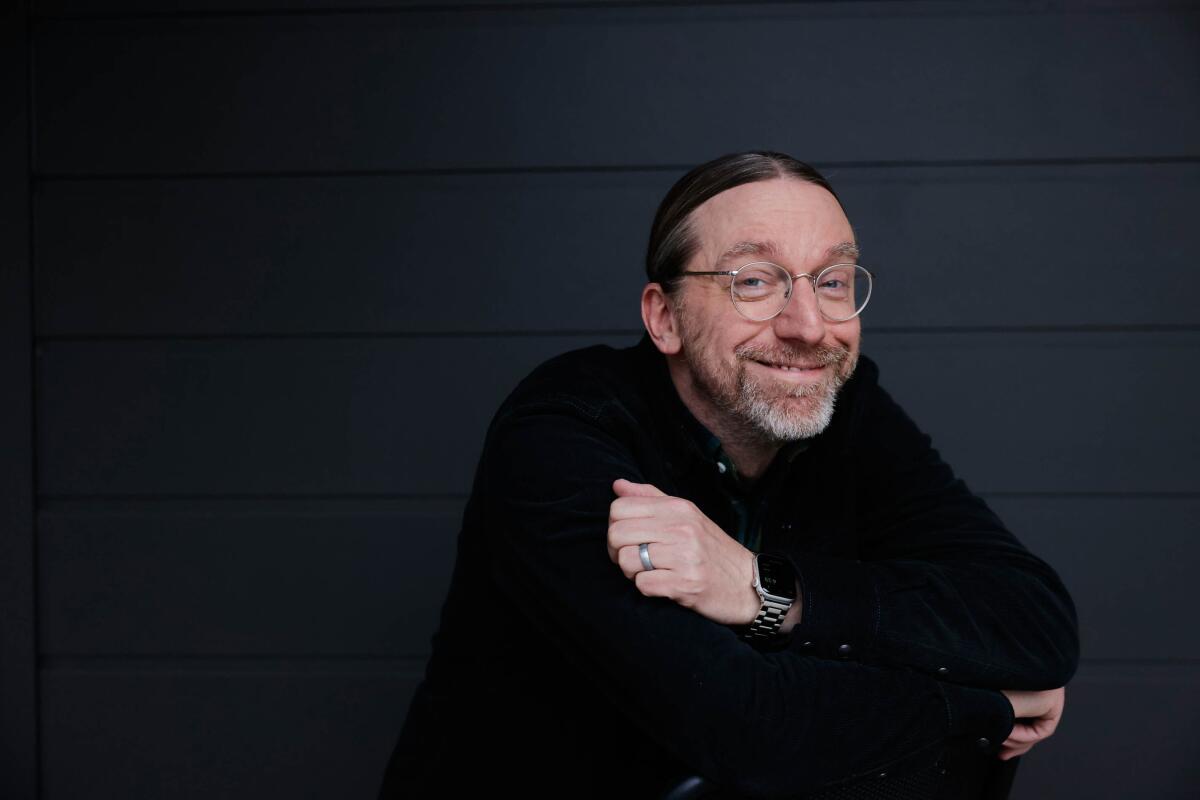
column 848, row 334
column 707, row 346
column 722, row 338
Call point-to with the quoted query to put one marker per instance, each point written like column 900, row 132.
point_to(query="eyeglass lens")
column 760, row 290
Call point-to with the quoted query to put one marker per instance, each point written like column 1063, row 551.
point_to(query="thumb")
column 627, row 488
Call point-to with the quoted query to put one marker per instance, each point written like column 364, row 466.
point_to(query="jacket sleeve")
column 941, row 586
column 763, row 723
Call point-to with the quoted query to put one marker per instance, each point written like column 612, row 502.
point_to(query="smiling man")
column 723, row 562
column 752, row 384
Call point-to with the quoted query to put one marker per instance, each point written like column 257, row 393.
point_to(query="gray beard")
column 779, row 426
column 761, row 417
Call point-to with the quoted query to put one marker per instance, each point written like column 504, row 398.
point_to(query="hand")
column 696, row 564
column 1037, row 713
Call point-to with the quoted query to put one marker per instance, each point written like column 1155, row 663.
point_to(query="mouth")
column 792, row 369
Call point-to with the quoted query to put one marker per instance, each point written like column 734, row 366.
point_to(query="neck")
column 751, row 460
column 749, row 450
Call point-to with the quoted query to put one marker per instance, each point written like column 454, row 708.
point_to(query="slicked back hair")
column 672, row 239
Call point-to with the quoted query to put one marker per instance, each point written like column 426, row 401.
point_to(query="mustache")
column 821, row 354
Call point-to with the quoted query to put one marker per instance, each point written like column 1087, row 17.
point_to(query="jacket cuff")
column 840, row 613
column 982, row 718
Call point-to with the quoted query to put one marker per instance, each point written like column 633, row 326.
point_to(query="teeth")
column 785, row 367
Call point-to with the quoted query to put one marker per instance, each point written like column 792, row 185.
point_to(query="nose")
column 801, row 318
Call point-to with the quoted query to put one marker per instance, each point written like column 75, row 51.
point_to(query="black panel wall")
column 239, row 425
column 18, row 648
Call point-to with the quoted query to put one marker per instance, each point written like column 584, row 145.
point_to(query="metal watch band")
column 770, row 618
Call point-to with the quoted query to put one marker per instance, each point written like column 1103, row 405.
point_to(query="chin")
column 788, row 424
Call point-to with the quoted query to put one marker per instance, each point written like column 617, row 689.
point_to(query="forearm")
column 984, row 624
column 802, row 722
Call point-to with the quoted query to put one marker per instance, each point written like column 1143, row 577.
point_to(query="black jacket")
column 552, row 675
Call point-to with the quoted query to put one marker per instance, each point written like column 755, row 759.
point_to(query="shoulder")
column 590, row 380
column 878, row 432
column 856, row 404
column 865, row 379
column 566, row 431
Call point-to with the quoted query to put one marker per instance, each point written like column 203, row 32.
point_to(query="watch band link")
column 770, row 618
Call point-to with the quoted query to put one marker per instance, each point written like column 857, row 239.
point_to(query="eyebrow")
column 763, row 248
column 771, row 250
column 844, row 250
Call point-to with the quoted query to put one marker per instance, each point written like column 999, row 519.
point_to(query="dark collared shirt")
column 553, row 675
column 747, row 499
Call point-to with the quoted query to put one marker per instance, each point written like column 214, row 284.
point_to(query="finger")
column 654, row 583
column 646, row 506
column 617, row 540
column 629, row 557
column 632, row 507
column 661, row 506
column 629, row 561
column 1034, row 730
column 1023, row 734
column 627, row 488
column 636, row 530
column 1006, row 755
column 1045, row 726
column 1016, row 748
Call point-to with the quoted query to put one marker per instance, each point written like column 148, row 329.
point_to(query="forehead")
column 801, row 219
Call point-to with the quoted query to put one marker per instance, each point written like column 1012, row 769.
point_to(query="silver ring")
column 644, row 552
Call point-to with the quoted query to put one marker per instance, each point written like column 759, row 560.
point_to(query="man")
column 724, row 559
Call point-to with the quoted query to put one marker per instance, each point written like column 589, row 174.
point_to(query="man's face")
column 729, row 358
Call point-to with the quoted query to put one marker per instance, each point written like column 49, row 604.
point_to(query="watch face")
column 776, row 576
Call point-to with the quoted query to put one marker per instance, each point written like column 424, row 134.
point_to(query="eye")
column 836, row 284
column 759, row 282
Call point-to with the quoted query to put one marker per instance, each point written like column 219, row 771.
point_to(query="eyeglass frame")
column 790, row 286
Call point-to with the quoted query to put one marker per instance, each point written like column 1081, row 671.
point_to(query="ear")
column 658, row 315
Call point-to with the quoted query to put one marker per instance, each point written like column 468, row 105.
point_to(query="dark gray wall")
column 254, row 421
column 18, row 653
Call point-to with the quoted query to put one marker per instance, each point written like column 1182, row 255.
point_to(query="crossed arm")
column 955, row 593
column 805, row 722
column 701, row 568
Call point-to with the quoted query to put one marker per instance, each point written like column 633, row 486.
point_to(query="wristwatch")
column 775, row 582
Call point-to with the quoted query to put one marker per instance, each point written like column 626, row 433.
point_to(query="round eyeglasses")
column 761, row 290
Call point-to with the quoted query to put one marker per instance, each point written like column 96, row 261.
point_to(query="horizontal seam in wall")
column 564, row 333
column 283, row 662
column 314, row 662
column 73, row 503
column 556, row 169
column 896, row 9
